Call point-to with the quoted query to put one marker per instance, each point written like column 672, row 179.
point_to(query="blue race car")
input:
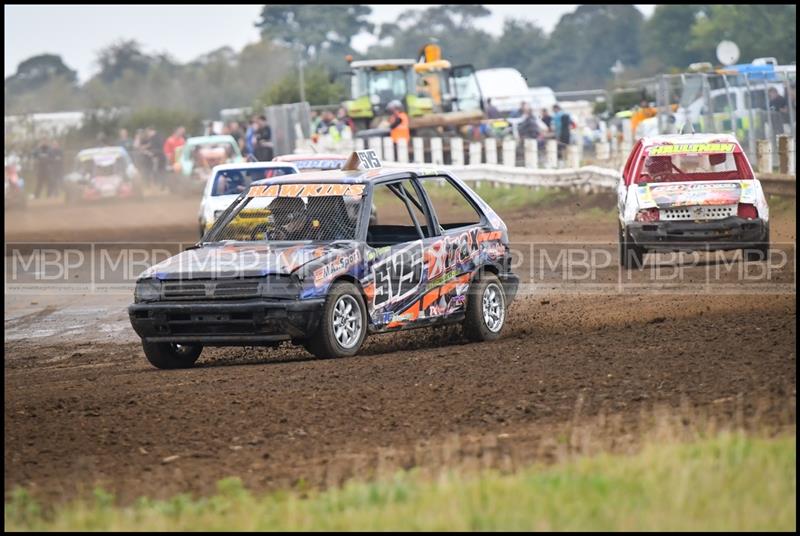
column 322, row 259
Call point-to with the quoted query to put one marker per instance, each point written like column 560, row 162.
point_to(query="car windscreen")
column 101, row 164
column 674, row 163
column 295, row 212
column 210, row 154
column 236, row 181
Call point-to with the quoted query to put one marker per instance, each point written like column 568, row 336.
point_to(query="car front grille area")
column 201, row 289
column 698, row 213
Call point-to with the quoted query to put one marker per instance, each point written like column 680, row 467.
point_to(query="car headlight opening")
column 147, row 290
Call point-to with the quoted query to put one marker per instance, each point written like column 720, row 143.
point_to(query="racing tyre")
column 486, row 309
column 343, row 325
column 165, row 355
column 630, row 255
column 759, row 252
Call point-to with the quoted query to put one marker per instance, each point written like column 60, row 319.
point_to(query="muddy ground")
column 585, row 363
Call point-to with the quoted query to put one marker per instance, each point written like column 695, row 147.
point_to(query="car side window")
column 452, row 208
column 396, row 215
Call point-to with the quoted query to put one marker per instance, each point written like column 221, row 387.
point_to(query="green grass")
column 731, row 482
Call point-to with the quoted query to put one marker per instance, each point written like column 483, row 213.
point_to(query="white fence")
column 508, row 162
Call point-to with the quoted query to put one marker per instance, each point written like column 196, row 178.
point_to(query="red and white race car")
column 690, row 192
column 102, row 172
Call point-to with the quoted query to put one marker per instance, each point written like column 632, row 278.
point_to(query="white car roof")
column 689, row 138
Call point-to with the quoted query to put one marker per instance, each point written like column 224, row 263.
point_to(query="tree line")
column 577, row 54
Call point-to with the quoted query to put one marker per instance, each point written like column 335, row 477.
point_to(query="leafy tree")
column 521, row 46
column 586, row 43
column 452, row 26
column 318, row 88
column 122, row 56
column 666, row 34
column 758, row 29
column 315, row 28
column 37, row 71
column 42, row 83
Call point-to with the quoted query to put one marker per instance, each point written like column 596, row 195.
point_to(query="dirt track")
column 82, row 406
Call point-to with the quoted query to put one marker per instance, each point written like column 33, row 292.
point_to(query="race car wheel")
column 630, row 255
column 759, row 252
column 165, row 355
column 343, row 325
column 486, row 309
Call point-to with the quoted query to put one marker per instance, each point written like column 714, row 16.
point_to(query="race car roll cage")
column 423, row 203
column 633, row 166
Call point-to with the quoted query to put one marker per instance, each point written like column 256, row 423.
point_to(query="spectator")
column 235, row 131
column 154, row 148
column 778, row 108
column 177, row 139
column 41, row 156
column 547, row 119
column 777, row 102
column 250, row 136
column 529, row 127
column 326, row 122
column 561, row 127
column 124, row 140
column 491, row 111
column 398, row 123
column 315, row 120
column 343, row 121
column 263, row 141
column 56, row 171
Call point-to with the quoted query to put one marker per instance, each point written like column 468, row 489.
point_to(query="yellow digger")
column 435, row 94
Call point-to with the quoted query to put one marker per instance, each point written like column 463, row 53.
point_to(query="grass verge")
column 730, row 482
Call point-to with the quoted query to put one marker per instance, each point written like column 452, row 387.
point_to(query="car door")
column 464, row 233
column 398, row 233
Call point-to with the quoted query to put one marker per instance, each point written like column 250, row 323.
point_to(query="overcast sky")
column 77, row 32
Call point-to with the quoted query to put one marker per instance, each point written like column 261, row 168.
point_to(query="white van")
column 542, row 98
column 507, row 88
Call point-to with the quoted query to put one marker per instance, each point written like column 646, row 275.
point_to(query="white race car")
column 227, row 181
column 690, row 192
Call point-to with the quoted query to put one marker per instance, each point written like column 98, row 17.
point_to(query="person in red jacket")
column 173, row 142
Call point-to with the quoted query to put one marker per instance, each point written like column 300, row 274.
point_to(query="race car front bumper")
column 226, row 323
column 728, row 233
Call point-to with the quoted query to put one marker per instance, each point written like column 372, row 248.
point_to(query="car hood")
column 680, row 194
column 244, row 260
column 219, row 202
